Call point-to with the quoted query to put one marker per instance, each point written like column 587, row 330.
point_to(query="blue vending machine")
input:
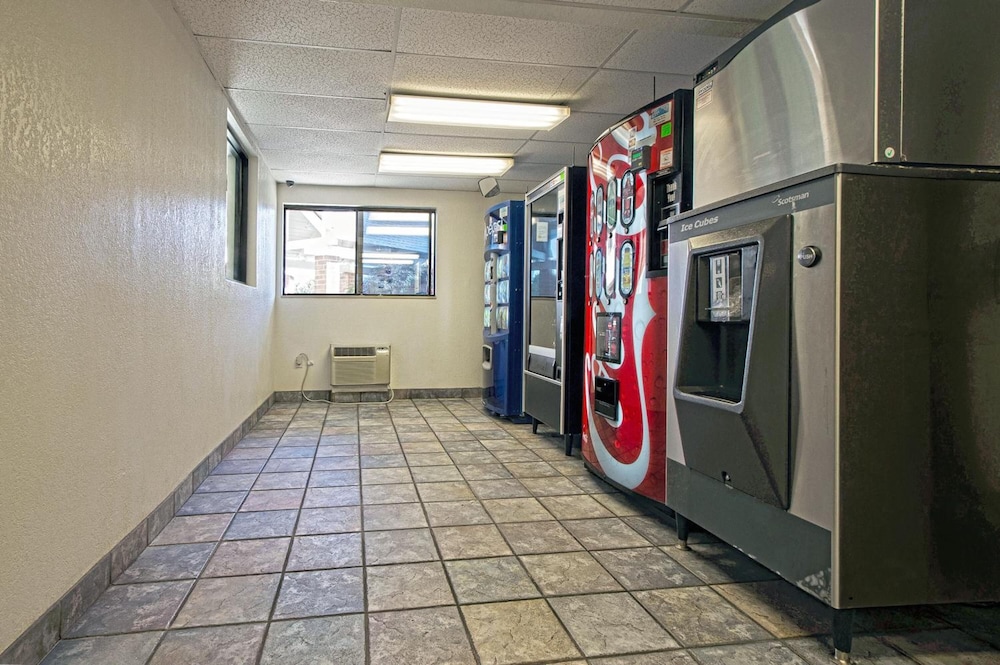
column 503, row 311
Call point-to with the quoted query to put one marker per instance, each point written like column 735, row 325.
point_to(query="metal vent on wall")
column 354, row 366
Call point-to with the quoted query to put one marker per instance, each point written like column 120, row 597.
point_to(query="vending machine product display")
column 555, row 253
column 638, row 177
column 503, row 305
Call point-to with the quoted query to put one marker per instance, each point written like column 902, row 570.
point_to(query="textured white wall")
column 436, row 342
column 125, row 355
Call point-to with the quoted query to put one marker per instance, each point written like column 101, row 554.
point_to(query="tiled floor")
column 426, row 532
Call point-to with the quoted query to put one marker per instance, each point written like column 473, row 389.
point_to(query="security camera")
column 290, row 183
column 489, row 187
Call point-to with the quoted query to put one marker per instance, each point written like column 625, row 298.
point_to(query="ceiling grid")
column 312, row 78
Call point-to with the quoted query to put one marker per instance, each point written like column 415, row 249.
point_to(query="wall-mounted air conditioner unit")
column 354, row 367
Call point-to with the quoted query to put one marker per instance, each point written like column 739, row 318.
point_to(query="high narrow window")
column 358, row 251
column 236, row 209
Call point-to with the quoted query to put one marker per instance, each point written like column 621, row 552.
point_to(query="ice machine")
column 852, row 81
column 833, row 357
column 834, row 370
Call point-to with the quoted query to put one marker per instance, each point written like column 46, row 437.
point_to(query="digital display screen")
column 608, row 345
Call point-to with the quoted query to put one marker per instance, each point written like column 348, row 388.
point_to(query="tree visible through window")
column 358, row 251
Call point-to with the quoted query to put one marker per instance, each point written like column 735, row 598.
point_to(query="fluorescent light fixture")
column 461, row 165
column 474, row 112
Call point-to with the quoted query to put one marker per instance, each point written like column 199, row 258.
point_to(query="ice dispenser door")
column 732, row 382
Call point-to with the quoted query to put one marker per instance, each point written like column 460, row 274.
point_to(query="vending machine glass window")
column 556, row 228
column 544, row 266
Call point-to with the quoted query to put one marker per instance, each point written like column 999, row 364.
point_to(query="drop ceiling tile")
column 273, row 108
column 463, row 184
column 316, row 140
column 662, row 5
column 677, row 52
column 545, row 152
column 336, row 179
column 537, row 173
column 302, row 69
column 514, row 189
column 446, row 130
column 580, row 128
column 582, row 154
column 756, row 9
column 505, row 38
column 622, row 92
column 450, row 144
column 319, row 162
column 314, row 22
column 434, row 75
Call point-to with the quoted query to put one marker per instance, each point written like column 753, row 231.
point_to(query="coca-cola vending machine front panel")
column 636, row 179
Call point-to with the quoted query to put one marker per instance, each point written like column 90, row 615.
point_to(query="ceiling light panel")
column 457, row 165
column 474, row 112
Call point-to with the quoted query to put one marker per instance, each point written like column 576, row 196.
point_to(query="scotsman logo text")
column 700, row 223
column 783, row 201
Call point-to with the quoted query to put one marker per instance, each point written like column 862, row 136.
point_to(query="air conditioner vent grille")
column 353, row 351
column 356, row 366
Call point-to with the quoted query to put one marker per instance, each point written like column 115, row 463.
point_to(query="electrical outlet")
column 298, row 361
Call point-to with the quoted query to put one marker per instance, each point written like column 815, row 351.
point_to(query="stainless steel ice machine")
column 834, row 370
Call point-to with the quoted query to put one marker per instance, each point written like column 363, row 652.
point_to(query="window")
column 358, row 251
column 236, row 209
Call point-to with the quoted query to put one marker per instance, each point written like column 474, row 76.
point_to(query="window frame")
column 359, row 211
column 238, row 271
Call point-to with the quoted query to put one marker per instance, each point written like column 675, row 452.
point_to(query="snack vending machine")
column 555, row 217
column 639, row 176
column 503, row 308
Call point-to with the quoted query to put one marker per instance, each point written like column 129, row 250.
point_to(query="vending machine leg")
column 683, row 528
column 534, row 425
column 843, row 632
column 570, row 440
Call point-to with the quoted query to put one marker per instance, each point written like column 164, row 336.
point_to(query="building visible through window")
column 358, row 251
column 236, row 209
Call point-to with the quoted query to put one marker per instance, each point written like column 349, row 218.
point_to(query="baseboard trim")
column 380, row 395
column 33, row 644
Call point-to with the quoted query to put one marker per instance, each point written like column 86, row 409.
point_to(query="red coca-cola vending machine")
column 639, row 174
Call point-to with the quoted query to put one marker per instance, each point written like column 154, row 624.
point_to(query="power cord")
column 302, row 388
